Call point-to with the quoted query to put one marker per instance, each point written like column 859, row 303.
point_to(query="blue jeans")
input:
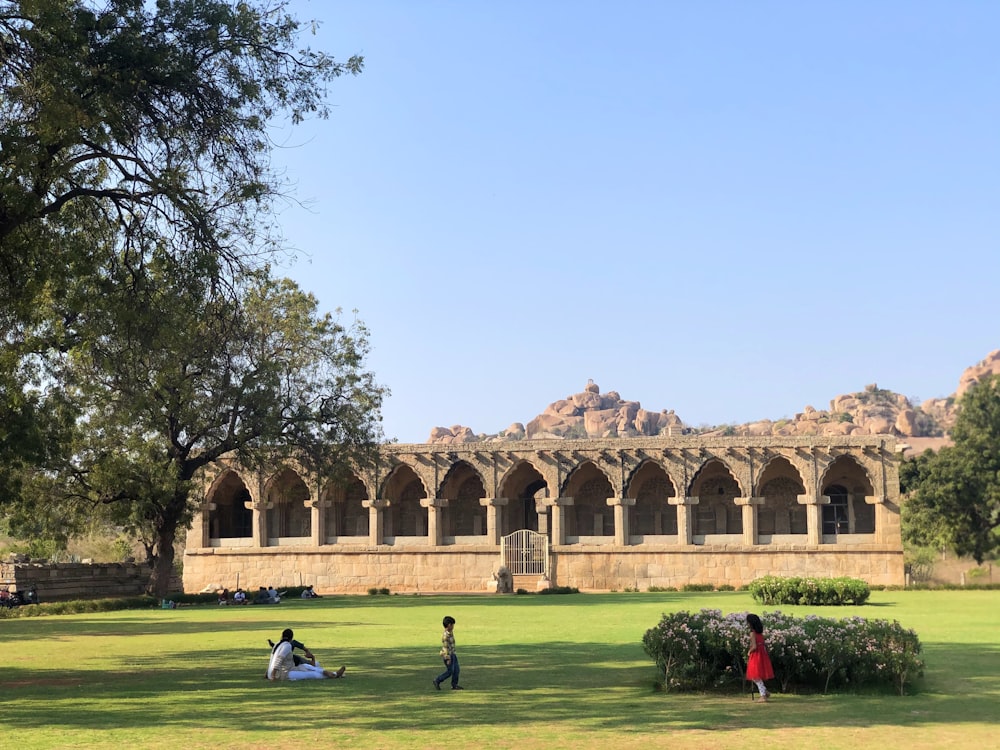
column 451, row 670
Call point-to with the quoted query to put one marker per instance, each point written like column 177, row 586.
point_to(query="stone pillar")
column 376, row 519
column 882, row 517
column 435, row 512
column 685, row 518
column 814, row 516
column 558, row 509
column 621, row 506
column 260, row 510
column 206, row 529
column 542, row 509
column 492, row 505
column 320, row 510
column 749, row 506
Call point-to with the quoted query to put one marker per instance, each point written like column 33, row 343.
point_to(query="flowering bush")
column 674, row 647
column 708, row 649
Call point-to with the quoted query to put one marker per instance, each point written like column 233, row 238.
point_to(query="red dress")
column 759, row 664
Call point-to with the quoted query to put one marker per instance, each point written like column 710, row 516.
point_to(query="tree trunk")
column 163, row 562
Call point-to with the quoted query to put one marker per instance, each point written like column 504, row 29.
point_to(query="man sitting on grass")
column 285, row 665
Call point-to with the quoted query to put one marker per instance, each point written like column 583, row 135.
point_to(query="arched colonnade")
column 748, row 492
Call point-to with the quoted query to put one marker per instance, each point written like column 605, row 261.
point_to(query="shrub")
column 698, row 587
column 674, row 647
column 80, row 606
column 811, row 591
column 560, row 590
column 707, row 649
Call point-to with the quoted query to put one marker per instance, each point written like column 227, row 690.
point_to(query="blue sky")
column 729, row 209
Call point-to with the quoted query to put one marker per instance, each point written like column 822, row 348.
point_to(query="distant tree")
column 954, row 496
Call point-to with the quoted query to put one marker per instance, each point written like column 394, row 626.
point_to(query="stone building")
column 592, row 514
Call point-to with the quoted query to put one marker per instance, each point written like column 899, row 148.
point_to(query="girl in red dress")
column 758, row 662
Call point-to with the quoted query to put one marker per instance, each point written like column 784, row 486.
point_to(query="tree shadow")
column 599, row 685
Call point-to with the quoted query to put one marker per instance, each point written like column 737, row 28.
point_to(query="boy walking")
column 448, row 656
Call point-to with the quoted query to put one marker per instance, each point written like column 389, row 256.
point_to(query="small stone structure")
column 618, row 513
column 57, row 582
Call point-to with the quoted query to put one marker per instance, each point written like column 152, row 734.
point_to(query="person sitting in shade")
column 309, row 593
column 283, row 666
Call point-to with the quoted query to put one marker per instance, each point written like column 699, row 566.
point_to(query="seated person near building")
column 309, row 593
column 240, row 597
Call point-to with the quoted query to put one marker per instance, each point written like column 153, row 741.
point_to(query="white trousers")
column 306, row 672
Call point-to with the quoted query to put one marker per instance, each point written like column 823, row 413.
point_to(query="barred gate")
column 525, row 553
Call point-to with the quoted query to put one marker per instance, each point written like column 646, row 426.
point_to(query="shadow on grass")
column 588, row 685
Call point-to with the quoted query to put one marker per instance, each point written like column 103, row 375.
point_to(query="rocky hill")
column 873, row 411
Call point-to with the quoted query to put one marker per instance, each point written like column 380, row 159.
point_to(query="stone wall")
column 65, row 581
column 471, row 569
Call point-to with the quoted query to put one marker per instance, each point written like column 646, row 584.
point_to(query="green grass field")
column 539, row 671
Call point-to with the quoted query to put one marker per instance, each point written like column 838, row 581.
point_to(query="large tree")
column 185, row 374
column 955, row 495
column 136, row 221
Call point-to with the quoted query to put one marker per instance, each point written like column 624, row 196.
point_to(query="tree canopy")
column 954, row 496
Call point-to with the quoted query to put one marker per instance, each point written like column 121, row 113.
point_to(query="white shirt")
column 281, row 662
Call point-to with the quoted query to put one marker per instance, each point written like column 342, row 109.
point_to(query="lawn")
column 564, row 671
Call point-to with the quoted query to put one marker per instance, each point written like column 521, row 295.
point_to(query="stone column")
column 542, row 509
column 749, row 509
column 558, row 509
column 260, row 510
column 206, row 529
column 493, row 505
column 435, row 506
column 376, row 519
column 882, row 517
column 685, row 518
column 814, row 516
column 621, row 506
column 320, row 510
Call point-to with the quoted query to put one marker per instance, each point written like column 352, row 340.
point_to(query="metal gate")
column 525, row 553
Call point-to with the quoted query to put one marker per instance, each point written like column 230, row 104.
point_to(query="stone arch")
column 524, row 486
column 406, row 516
column 463, row 488
column 346, row 515
column 716, row 488
column 288, row 512
column 780, row 484
column 228, row 515
column 846, row 483
column 590, row 514
column 652, row 514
